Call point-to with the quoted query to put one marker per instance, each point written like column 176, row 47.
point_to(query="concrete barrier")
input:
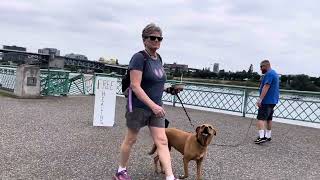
column 27, row 81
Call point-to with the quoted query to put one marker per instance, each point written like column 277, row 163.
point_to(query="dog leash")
column 225, row 145
column 185, row 111
column 236, row 145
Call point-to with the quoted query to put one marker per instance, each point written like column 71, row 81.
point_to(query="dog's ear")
column 214, row 132
column 198, row 129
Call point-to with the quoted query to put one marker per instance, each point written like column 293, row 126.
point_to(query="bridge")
column 58, row 62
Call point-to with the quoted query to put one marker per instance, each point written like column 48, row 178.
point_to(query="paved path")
column 53, row 138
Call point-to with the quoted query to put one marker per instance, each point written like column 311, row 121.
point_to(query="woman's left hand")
column 172, row 91
column 158, row 111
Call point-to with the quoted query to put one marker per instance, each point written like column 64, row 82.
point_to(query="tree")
column 255, row 76
column 176, row 73
column 303, row 83
column 187, row 74
column 284, row 78
column 250, row 71
column 317, row 82
column 221, row 74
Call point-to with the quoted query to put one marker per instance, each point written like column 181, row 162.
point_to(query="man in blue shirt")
column 269, row 97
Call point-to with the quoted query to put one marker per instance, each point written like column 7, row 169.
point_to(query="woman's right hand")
column 158, row 111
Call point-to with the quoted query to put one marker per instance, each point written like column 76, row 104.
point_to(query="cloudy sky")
column 234, row 33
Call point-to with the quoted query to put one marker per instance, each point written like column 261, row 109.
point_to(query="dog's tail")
column 153, row 150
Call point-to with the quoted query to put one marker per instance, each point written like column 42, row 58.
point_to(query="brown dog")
column 191, row 146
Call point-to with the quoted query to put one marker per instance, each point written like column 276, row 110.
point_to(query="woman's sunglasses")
column 153, row 38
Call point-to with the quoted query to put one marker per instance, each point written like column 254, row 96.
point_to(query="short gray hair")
column 150, row 29
column 265, row 62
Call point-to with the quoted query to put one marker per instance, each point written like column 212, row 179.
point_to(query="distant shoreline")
column 217, row 81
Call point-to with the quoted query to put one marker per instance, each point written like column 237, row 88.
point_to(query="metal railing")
column 293, row 105
column 54, row 82
column 60, row 82
column 7, row 78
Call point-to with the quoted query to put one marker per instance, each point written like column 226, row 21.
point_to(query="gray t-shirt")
column 153, row 79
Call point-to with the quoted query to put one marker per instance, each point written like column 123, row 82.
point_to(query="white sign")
column 105, row 101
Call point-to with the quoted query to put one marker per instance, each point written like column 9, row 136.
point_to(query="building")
column 113, row 61
column 49, row 51
column 16, row 48
column 12, row 56
column 193, row 70
column 176, row 67
column 216, row 67
column 76, row 56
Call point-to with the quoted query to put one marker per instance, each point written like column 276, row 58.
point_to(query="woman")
column 144, row 108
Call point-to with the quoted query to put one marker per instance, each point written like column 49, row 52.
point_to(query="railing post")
column 245, row 102
column 48, row 83
column 66, row 84
column 94, row 83
column 83, row 83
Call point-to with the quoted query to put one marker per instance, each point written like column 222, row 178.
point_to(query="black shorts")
column 265, row 112
column 139, row 118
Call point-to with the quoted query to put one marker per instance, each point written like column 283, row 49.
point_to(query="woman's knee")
column 131, row 137
column 130, row 140
column 161, row 141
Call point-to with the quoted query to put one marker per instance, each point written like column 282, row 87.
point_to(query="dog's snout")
column 206, row 130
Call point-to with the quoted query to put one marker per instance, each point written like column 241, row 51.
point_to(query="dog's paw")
column 183, row 177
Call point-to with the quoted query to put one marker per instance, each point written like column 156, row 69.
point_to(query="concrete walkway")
column 53, row 138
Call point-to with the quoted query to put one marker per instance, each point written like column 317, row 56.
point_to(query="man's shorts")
column 265, row 112
column 139, row 118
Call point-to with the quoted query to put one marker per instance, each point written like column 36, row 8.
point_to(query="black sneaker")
column 260, row 140
column 268, row 139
